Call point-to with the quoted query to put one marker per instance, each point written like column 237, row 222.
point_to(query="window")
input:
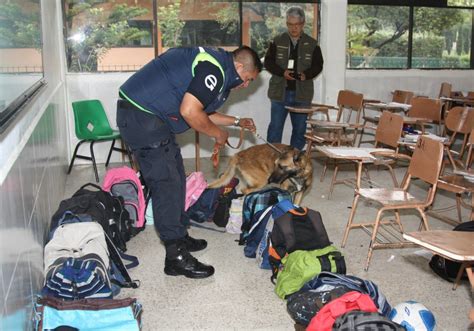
column 96, row 30
column 399, row 35
column 267, row 19
column 442, row 38
column 123, row 35
column 377, row 37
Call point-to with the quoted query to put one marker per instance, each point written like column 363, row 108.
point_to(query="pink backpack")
column 195, row 185
column 124, row 182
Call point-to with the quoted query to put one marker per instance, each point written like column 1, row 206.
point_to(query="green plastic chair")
column 92, row 126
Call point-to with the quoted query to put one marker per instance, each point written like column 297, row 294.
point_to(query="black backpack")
column 299, row 229
column 107, row 210
column 305, row 304
column 222, row 212
column 446, row 268
column 357, row 320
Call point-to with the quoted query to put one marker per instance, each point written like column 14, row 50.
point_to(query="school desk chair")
column 91, row 125
column 425, row 165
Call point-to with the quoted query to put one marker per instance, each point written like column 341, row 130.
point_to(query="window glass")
column 262, row 21
column 203, row 23
column 101, row 36
column 377, row 36
column 442, row 38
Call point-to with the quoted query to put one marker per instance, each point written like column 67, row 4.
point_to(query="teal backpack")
column 301, row 266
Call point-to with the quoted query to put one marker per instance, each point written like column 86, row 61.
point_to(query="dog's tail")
column 226, row 177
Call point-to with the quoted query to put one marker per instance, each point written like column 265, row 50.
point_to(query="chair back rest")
column 401, row 96
column 90, row 119
column 389, row 129
column 460, row 120
column 427, row 159
column 426, row 108
column 470, row 94
column 351, row 101
column 445, row 90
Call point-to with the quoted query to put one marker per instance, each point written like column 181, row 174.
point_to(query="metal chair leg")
column 110, row 153
column 350, row 220
column 373, row 238
column 74, row 155
column 93, row 161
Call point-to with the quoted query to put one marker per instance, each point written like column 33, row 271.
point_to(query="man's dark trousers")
column 161, row 164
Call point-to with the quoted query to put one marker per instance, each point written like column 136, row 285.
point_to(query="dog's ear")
column 298, row 156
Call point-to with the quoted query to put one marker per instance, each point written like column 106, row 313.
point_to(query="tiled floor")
column 240, row 295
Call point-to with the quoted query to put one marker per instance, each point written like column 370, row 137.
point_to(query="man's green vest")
column 304, row 89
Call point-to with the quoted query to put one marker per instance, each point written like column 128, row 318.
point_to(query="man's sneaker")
column 194, row 245
column 188, row 266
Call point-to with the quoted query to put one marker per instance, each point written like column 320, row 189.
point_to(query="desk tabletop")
column 351, row 153
column 391, row 106
column 330, row 124
column 455, row 245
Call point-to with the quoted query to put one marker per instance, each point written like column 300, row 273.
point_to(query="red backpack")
column 324, row 319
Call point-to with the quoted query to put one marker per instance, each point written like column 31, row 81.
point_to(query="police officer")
column 180, row 89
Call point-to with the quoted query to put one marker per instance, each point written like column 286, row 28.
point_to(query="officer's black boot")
column 194, row 245
column 180, row 262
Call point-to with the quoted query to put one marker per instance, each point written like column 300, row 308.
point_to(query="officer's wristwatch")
column 237, row 121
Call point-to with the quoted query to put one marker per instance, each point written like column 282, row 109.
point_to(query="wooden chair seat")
column 390, row 197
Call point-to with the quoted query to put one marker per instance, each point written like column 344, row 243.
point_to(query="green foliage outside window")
column 170, row 24
column 378, row 37
column 19, row 28
column 101, row 31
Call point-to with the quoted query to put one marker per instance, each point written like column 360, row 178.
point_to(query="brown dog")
column 260, row 165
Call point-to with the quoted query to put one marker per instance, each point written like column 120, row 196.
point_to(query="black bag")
column 304, row 305
column 298, row 229
column 445, row 268
column 107, row 210
column 357, row 320
column 222, row 212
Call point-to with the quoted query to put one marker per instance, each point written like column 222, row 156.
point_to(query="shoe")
column 188, row 266
column 194, row 245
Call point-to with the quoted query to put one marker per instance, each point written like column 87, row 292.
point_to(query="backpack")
column 298, row 229
column 445, row 268
column 257, row 201
column 195, row 185
column 328, row 280
column 224, row 202
column 103, row 207
column 77, row 263
column 124, row 182
column 235, row 217
column 357, row 320
column 87, row 314
column 79, row 253
column 299, row 267
column 204, row 208
column 261, row 226
column 325, row 318
column 304, row 305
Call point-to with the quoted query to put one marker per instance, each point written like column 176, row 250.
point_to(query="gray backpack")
column 357, row 320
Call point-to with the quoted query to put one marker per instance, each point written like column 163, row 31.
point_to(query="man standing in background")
column 294, row 59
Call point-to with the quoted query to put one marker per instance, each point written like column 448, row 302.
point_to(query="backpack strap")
column 116, row 257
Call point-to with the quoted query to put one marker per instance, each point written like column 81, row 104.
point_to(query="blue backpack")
column 204, row 208
column 256, row 202
column 258, row 236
